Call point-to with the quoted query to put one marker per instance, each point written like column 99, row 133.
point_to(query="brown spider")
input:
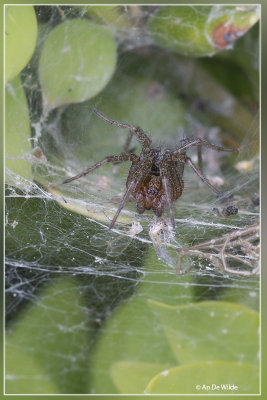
column 155, row 176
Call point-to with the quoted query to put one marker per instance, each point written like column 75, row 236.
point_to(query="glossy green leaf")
column 131, row 335
column 77, row 60
column 54, row 332
column 134, row 335
column 210, row 330
column 200, row 30
column 20, row 38
column 132, row 377
column 206, row 378
column 17, row 132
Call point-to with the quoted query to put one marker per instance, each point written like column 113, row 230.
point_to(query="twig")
column 241, row 246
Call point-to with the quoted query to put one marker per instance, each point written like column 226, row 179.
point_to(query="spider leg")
column 127, row 143
column 199, row 158
column 110, row 159
column 168, row 199
column 166, row 188
column 190, row 142
column 142, row 137
column 132, row 184
column 189, row 162
column 122, row 204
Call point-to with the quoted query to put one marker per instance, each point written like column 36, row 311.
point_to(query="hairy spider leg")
column 127, row 143
column 110, row 159
column 122, row 204
column 189, row 162
column 142, row 137
column 168, row 198
column 190, row 142
column 199, row 143
column 199, row 158
column 163, row 174
column 137, row 176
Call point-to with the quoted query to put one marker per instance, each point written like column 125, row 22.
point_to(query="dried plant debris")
column 228, row 252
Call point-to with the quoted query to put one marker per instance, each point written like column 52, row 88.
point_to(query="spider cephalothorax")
column 155, row 176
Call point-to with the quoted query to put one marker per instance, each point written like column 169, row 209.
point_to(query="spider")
column 155, row 177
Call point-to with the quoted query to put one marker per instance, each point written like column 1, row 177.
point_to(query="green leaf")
column 207, row 378
column 53, row 332
column 77, row 61
column 131, row 335
column 113, row 16
column 17, row 131
column 198, row 31
column 132, row 377
column 20, row 38
column 24, row 374
column 210, row 330
column 134, row 335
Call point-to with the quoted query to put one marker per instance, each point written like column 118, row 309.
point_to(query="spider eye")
column 152, row 191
